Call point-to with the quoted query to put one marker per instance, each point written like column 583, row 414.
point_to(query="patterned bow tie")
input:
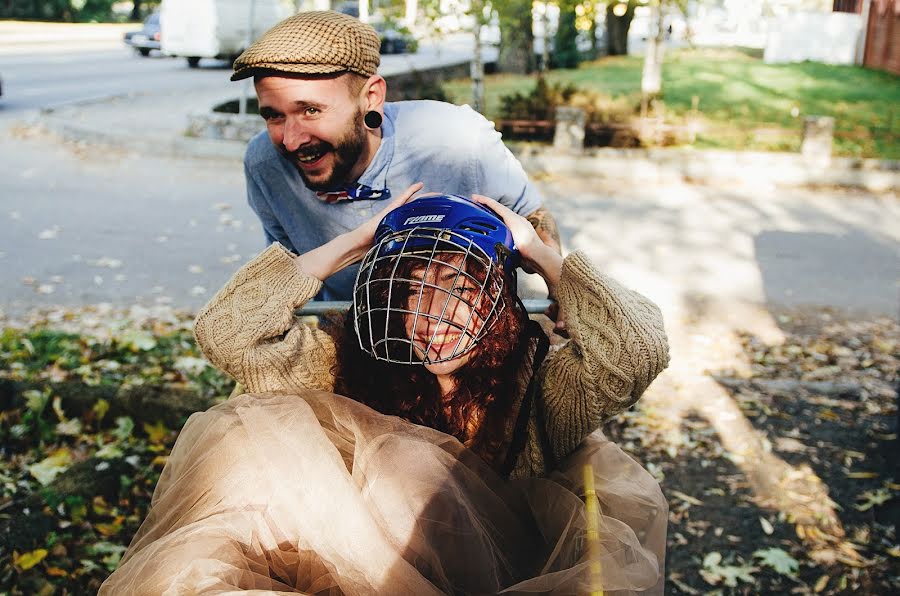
column 354, row 192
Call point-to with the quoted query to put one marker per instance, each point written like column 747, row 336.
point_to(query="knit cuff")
column 592, row 301
column 274, row 268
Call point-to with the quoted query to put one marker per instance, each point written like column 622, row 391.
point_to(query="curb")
column 630, row 166
column 175, row 147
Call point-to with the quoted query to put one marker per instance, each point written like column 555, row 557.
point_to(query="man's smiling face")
column 317, row 123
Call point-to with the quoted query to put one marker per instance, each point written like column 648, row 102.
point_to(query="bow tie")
column 354, row 192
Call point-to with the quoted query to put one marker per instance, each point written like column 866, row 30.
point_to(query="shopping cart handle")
column 316, row 308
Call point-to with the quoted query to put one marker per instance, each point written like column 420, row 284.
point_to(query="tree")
column 565, row 52
column 516, row 36
column 618, row 20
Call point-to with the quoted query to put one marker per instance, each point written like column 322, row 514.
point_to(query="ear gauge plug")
column 372, row 119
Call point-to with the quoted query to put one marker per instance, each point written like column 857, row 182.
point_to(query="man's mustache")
column 306, row 150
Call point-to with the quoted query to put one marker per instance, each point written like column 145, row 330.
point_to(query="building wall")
column 831, row 38
column 883, row 36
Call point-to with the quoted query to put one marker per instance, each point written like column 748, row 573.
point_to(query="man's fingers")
column 489, row 202
column 402, row 199
column 408, row 193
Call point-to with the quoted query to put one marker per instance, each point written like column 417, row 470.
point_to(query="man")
column 334, row 148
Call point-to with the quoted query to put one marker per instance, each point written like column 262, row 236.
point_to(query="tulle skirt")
column 318, row 494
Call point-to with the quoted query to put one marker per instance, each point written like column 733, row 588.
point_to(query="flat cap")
column 314, row 42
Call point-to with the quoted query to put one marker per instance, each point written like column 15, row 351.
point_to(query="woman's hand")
column 326, row 260
column 536, row 255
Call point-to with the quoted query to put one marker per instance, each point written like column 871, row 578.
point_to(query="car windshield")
column 152, row 19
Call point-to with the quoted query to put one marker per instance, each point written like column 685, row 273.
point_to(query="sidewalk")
column 157, row 122
column 17, row 37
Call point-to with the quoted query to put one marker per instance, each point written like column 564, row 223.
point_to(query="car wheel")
column 193, row 61
column 144, row 51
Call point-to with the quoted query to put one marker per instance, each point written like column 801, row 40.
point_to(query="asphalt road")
column 46, row 80
column 81, row 224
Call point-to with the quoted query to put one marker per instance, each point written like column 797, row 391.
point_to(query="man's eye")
column 464, row 290
column 311, row 111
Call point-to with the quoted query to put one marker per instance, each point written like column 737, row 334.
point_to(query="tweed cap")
column 314, row 42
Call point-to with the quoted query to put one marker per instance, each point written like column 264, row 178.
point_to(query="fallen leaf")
column 46, row 470
column 156, row 432
column 779, row 560
column 821, row 583
column 28, row 560
column 871, row 498
column 766, row 526
column 686, row 498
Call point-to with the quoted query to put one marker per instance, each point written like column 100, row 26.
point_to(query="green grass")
column 739, row 95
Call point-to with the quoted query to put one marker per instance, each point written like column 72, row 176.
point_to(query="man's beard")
column 347, row 152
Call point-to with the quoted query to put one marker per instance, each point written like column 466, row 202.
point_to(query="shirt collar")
column 375, row 175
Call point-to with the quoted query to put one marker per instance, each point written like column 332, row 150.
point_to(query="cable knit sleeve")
column 249, row 330
column 618, row 346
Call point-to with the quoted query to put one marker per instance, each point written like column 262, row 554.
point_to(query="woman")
column 454, row 464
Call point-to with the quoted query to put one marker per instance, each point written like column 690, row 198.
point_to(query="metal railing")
column 318, row 308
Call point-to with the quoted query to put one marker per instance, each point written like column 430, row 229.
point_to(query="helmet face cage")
column 425, row 295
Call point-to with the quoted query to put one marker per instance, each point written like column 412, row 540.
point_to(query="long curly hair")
column 485, row 387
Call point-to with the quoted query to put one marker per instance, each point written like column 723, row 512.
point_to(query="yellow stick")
column 592, row 510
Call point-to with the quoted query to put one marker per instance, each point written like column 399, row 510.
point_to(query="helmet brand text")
column 419, row 219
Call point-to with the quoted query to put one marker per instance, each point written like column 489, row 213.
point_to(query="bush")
column 609, row 120
column 538, row 104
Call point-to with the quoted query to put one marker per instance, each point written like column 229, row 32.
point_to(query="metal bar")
column 316, row 308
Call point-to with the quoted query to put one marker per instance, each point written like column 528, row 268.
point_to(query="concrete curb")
column 630, row 166
column 662, row 166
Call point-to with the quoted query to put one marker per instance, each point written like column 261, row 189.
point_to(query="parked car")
column 395, row 39
column 147, row 38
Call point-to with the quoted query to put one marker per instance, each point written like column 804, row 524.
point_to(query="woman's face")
column 446, row 323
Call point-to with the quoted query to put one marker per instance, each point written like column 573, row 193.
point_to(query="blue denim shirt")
column 451, row 149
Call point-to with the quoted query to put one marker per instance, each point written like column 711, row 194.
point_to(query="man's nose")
column 295, row 134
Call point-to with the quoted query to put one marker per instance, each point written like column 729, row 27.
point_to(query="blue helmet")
column 433, row 284
column 453, row 215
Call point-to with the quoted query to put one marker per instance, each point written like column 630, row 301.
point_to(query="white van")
column 196, row 29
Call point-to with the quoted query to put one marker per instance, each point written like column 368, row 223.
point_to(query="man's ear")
column 374, row 93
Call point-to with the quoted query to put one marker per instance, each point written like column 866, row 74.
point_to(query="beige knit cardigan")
column 617, row 347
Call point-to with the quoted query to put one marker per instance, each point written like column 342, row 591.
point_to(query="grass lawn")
column 744, row 103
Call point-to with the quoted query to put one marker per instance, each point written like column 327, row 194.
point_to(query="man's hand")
column 545, row 226
column 535, row 253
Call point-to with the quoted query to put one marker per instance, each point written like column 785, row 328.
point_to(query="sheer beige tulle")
column 316, row 493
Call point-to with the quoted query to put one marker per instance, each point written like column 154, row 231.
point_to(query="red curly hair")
column 485, row 387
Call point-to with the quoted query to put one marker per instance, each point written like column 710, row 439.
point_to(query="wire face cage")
column 425, row 295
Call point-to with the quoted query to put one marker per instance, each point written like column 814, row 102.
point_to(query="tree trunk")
column 477, row 72
column 516, row 37
column 136, row 11
column 651, row 76
column 617, row 30
column 148, row 403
